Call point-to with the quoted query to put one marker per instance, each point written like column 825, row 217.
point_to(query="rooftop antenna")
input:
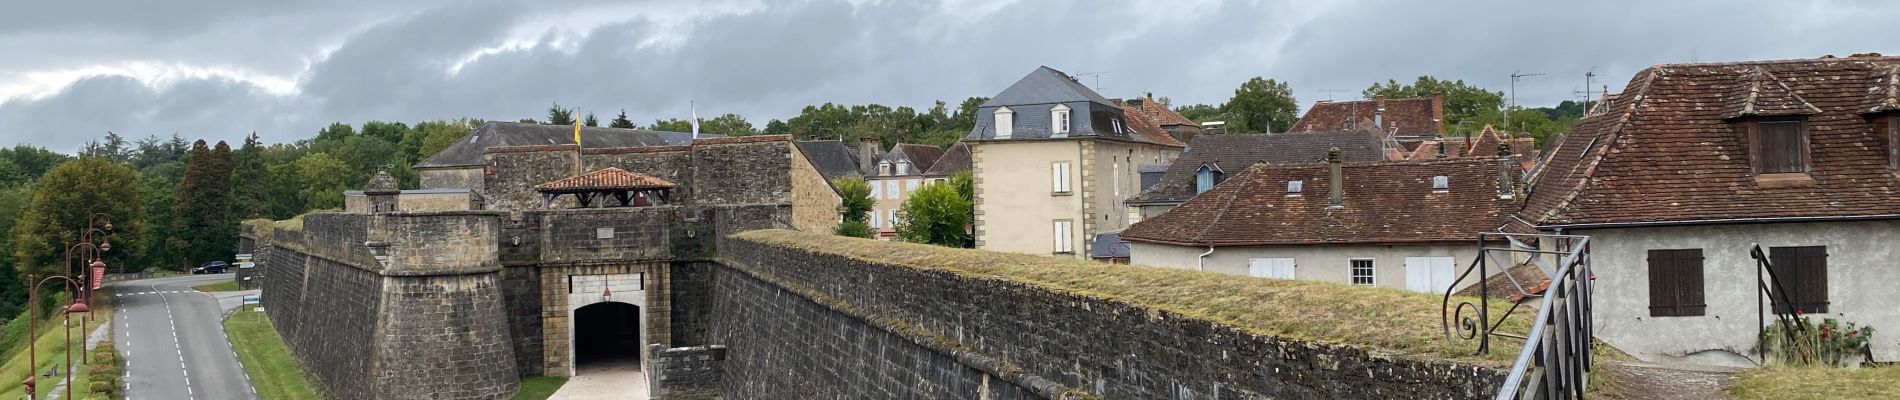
column 1587, row 76
column 1515, row 75
column 1329, row 93
column 1097, row 76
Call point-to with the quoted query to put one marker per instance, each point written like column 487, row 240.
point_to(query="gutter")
column 1721, row 221
column 1199, row 262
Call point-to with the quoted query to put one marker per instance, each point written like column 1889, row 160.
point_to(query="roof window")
column 1293, row 187
column 1441, row 183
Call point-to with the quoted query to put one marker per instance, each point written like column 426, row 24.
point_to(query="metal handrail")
column 1559, row 358
column 1770, row 287
column 1534, row 345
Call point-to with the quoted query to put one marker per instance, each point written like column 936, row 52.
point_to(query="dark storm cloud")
column 285, row 70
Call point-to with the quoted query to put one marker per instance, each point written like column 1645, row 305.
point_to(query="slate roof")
column 467, row 152
column 1414, row 117
column 605, row 179
column 1109, row 245
column 1663, row 152
column 921, row 156
column 954, row 160
column 1384, row 202
column 831, row 157
column 1234, row 152
column 1046, row 85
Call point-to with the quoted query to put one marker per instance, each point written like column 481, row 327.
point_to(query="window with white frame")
column 876, row 192
column 1293, row 187
column 893, row 218
column 890, row 189
column 1065, row 242
column 1059, row 119
column 877, row 219
column 1005, row 122
column 1059, row 177
column 1441, row 182
column 910, row 185
column 1362, row 271
column 903, row 167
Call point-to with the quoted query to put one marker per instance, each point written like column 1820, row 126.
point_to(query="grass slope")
column 539, row 387
column 51, row 346
column 222, row 286
column 1798, row 383
column 1387, row 320
column 274, row 372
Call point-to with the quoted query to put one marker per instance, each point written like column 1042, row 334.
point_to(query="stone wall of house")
column 685, row 373
column 800, row 323
column 814, row 202
column 516, row 173
column 392, row 305
column 451, row 178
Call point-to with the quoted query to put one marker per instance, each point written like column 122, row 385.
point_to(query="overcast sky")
column 70, row 71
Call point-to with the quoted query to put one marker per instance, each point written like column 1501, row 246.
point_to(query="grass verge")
column 224, row 286
column 1797, row 383
column 274, row 372
column 50, row 344
column 1381, row 319
column 539, row 387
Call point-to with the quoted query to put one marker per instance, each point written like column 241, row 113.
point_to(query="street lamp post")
column 33, row 329
column 84, row 291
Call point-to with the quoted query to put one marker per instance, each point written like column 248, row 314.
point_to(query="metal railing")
column 1555, row 360
column 1769, row 286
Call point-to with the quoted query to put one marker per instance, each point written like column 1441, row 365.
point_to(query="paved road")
column 173, row 341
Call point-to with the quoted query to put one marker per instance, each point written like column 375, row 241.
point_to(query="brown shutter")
column 1689, row 264
column 1675, row 283
column 1781, row 145
column 1662, row 293
column 1803, row 273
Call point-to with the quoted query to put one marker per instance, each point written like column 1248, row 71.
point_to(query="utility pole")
column 1513, row 108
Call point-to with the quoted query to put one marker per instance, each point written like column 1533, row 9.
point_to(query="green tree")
column 671, row 125
column 13, row 200
column 62, row 199
column 1201, row 112
column 591, row 121
column 202, row 229
column 1261, row 105
column 25, row 163
column 322, row 180
column 438, row 135
column 857, row 207
column 560, row 116
column 938, row 214
column 621, row 121
column 250, row 181
column 112, row 147
column 728, row 124
column 1467, row 107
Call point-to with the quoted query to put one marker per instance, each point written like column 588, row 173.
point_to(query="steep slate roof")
column 921, row 156
column 1384, row 202
column 1046, row 85
column 605, row 179
column 467, row 152
column 1662, row 152
column 1234, row 152
column 831, row 158
column 954, row 160
column 1147, row 126
column 1414, row 116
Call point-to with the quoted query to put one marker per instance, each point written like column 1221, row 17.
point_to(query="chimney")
column 1438, row 111
column 867, row 154
column 1506, row 189
column 1378, row 117
column 1337, row 196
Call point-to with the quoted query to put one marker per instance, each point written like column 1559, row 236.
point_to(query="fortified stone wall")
column 686, row 373
column 720, row 171
column 835, row 312
column 392, row 305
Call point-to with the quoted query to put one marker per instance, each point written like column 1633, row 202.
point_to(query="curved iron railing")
column 1555, row 360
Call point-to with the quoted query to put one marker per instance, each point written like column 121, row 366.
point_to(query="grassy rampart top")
column 1382, row 320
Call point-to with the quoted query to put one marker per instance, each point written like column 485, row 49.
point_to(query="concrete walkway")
column 100, row 334
column 1640, row 380
column 616, row 380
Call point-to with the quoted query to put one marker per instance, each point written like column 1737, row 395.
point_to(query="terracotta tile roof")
column 1153, row 110
column 1149, row 129
column 1885, row 96
column 1663, row 152
column 1231, row 153
column 605, row 179
column 1414, row 117
column 1384, row 202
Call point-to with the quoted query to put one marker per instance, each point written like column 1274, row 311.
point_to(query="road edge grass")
column 1817, row 382
column 273, row 372
column 539, row 387
column 51, row 345
column 220, row 286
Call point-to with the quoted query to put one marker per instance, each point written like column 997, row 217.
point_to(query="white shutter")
column 1276, row 268
column 1059, row 180
column 1429, row 274
column 876, row 217
column 911, row 185
column 1064, row 243
column 875, row 192
column 890, row 187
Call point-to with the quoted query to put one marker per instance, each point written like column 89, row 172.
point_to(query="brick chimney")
column 1506, row 189
column 867, row 157
column 1337, row 196
column 1378, row 117
column 1438, row 111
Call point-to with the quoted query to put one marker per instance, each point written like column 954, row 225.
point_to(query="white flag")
column 695, row 108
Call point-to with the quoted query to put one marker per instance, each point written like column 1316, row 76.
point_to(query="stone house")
column 1052, row 162
column 832, row 159
column 459, row 166
column 1693, row 164
column 1210, row 158
column 1399, row 224
column 893, row 176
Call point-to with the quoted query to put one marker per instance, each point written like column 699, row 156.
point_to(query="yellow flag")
column 577, row 132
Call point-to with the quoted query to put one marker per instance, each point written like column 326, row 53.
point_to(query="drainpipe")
column 1200, row 262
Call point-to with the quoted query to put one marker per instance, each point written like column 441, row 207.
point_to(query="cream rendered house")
column 1053, row 162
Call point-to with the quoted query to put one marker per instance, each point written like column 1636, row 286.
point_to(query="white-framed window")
column 1059, row 177
column 1059, row 119
column 877, row 219
column 910, row 185
column 1065, row 241
column 1277, row 268
column 1005, row 122
column 1293, row 187
column 1362, row 271
column 1134, row 215
column 893, row 218
column 1441, row 182
column 1116, row 123
column 890, row 189
column 903, row 167
column 876, row 192
column 884, row 168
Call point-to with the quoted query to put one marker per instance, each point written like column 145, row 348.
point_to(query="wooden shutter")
column 1675, row 283
column 1803, row 273
column 1780, row 147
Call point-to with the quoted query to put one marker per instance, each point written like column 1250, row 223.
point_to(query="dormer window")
column 884, row 168
column 1293, row 187
column 1116, row 123
column 1005, row 122
column 1779, row 147
column 1205, row 178
column 1893, row 142
column 1059, row 119
column 1441, row 183
column 903, row 167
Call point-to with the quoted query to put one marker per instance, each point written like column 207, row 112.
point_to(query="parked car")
column 214, row 267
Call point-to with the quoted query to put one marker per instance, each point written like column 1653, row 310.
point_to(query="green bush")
column 1805, row 343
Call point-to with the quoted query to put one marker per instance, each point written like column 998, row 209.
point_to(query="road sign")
column 248, row 300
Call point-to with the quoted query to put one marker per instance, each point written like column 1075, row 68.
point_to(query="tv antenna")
column 1515, row 75
column 1329, row 93
column 1587, row 76
column 1097, row 76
